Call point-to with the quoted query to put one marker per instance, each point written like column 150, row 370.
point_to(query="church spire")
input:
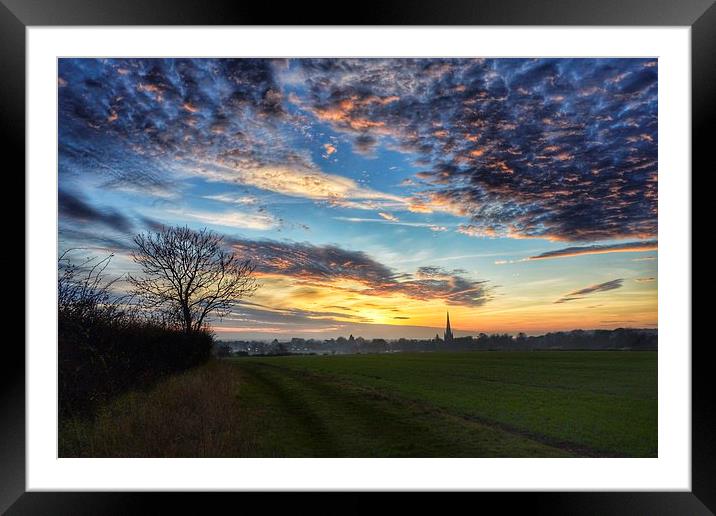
column 448, row 331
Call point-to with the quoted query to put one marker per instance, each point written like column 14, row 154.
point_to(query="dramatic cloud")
column 331, row 263
column 75, row 208
column 73, row 238
column 437, row 283
column 564, row 149
column 308, row 261
column 628, row 247
column 258, row 314
column 137, row 124
column 601, row 287
column 307, row 183
column 375, row 154
column 133, row 121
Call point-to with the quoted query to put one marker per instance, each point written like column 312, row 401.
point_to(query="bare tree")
column 188, row 275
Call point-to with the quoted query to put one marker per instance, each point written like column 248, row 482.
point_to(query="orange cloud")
column 303, row 182
column 191, row 108
column 330, row 149
column 153, row 89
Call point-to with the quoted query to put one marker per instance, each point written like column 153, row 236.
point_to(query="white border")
column 671, row 471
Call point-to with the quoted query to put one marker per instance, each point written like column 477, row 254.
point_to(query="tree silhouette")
column 188, row 275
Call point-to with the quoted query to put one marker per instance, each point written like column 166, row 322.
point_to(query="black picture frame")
column 16, row 15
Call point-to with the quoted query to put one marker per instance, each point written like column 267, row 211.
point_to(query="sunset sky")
column 374, row 195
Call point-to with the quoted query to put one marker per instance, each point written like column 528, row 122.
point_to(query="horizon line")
column 395, row 339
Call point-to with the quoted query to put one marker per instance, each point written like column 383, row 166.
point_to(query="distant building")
column 448, row 332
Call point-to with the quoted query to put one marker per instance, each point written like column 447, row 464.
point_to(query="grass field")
column 477, row 404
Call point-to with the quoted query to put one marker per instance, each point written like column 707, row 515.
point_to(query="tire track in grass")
column 336, row 422
column 368, row 426
column 419, row 406
column 297, row 410
column 370, row 423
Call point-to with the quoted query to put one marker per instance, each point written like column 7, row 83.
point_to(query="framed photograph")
column 443, row 248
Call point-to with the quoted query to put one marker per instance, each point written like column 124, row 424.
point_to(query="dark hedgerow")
column 106, row 346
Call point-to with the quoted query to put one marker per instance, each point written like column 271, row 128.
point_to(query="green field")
column 476, row 404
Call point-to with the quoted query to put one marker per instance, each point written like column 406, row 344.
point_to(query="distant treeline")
column 105, row 347
column 622, row 338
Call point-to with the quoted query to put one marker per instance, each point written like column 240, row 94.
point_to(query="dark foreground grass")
column 478, row 404
column 196, row 413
